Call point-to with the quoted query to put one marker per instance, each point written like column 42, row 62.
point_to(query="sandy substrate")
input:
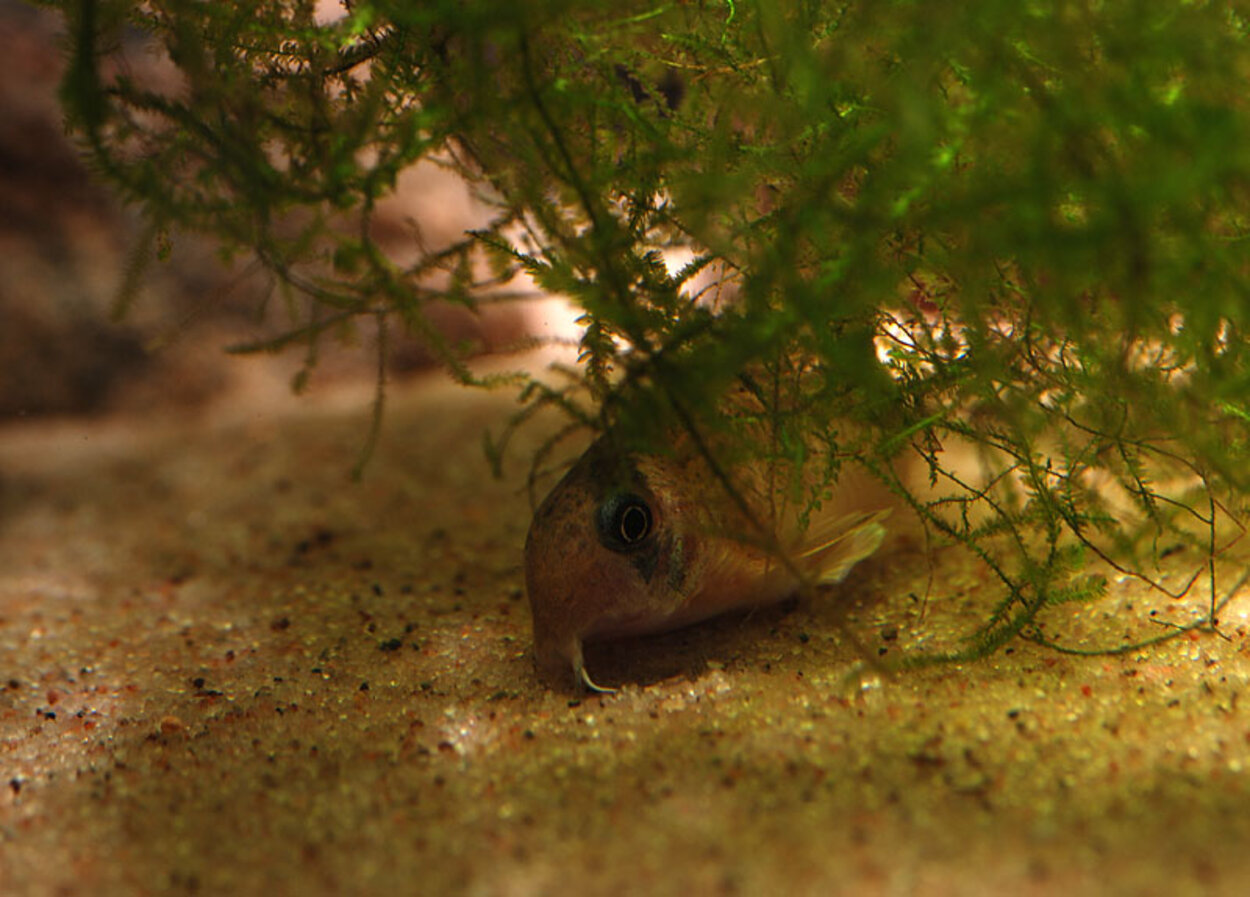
column 226, row 669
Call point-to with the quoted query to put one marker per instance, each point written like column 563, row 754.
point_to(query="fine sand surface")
column 227, row 669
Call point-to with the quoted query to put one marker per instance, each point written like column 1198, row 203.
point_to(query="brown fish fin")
column 834, row 548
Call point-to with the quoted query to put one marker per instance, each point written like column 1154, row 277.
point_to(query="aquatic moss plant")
column 1015, row 227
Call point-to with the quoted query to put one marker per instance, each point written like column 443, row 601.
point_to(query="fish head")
column 635, row 544
column 612, row 550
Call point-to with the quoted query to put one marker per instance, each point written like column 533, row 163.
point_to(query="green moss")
column 1015, row 227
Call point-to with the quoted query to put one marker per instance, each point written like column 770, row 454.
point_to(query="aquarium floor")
column 227, row 669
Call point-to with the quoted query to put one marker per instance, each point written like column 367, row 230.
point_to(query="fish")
column 632, row 544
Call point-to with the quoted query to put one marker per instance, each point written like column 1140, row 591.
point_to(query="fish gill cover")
column 1017, row 228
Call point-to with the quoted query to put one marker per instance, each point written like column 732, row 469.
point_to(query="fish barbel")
column 637, row 544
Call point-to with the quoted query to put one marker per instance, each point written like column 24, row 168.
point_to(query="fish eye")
column 633, row 523
column 624, row 522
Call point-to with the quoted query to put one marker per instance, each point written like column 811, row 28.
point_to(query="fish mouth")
column 606, row 628
column 654, row 622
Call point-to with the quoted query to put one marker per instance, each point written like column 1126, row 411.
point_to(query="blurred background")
column 66, row 243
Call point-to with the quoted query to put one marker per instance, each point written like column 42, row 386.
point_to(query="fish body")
column 637, row 544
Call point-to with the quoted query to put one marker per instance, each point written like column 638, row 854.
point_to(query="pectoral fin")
column 831, row 550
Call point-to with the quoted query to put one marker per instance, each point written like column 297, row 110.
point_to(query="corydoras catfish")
column 635, row 544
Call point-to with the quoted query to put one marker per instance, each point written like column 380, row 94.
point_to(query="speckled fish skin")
column 644, row 544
